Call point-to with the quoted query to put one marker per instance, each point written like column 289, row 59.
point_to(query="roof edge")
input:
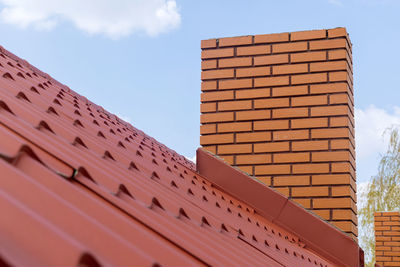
column 317, row 234
column 26, row 64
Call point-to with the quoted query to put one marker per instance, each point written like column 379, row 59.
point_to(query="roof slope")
column 81, row 186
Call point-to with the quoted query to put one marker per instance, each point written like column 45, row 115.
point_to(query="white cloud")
column 192, row 159
column 371, row 142
column 112, row 18
column 124, row 118
column 371, row 124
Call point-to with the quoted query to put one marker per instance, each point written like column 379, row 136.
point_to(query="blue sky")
column 140, row 59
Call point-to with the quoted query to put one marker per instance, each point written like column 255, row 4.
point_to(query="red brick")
column 345, row 226
column 328, row 44
column 235, row 84
column 272, row 59
column 289, row 47
column 303, row 97
column 340, row 76
column 272, row 169
column 234, row 127
column 310, row 145
column 265, row 179
column 212, row 149
column 271, row 147
column 328, row 66
column 291, row 157
column 309, row 78
column 234, row 149
column 213, row 96
column 382, row 218
column 253, row 50
column 342, row 167
column 216, row 139
column 234, row 105
column 253, row 72
column 234, row 62
column 253, row 159
column 228, row 159
column 329, row 88
column 310, row 100
column 290, row 135
column 307, row 35
column 316, row 191
column 324, row 214
column 330, row 110
column 330, row 133
column 309, row 123
column 208, row 107
column 253, row 115
column 337, row 32
column 338, row 54
column 290, row 91
column 217, row 74
column 291, row 180
column 253, row 137
column 282, row 190
column 271, row 125
column 340, row 121
column 271, row 38
column 331, row 179
column 382, row 238
column 216, row 117
column 208, row 85
column 339, row 99
column 308, row 56
column 320, row 203
column 231, row 41
column 306, row 203
column 211, row 43
column 208, row 128
column 290, row 112
column 342, row 214
column 271, row 103
column 288, row 69
column 341, row 144
column 208, row 64
column 271, row 81
column 343, row 191
column 253, row 93
column 217, row 53
column 311, row 168
column 247, row 169
column 331, row 156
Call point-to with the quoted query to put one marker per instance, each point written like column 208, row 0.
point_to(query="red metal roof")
column 81, row 186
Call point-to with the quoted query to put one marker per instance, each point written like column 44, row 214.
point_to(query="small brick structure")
column 387, row 238
column 280, row 107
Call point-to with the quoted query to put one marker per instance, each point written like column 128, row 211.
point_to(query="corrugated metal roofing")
column 80, row 186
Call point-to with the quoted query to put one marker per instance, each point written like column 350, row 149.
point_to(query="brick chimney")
column 280, row 107
column 387, row 238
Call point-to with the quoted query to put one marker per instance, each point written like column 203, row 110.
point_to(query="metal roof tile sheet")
column 81, row 186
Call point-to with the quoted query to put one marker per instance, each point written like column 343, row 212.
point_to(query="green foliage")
column 382, row 194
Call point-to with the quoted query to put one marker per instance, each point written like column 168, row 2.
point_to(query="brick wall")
column 387, row 238
column 280, row 107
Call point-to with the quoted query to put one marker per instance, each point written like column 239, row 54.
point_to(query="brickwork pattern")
column 387, row 238
column 280, row 107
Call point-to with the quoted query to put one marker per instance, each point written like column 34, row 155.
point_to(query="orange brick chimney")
column 387, row 238
column 280, row 107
